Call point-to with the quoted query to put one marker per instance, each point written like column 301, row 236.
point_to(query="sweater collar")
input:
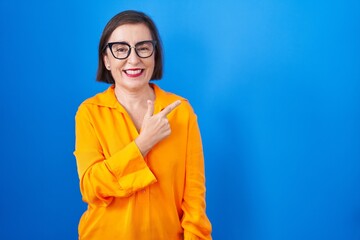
column 108, row 99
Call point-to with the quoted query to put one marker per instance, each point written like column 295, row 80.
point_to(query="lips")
column 134, row 72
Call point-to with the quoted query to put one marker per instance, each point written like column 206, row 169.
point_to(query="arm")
column 195, row 222
column 101, row 179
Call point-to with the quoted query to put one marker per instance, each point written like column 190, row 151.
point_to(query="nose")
column 133, row 58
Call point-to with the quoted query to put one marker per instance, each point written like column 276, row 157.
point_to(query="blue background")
column 275, row 84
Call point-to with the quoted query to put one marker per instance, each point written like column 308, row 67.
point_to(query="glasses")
column 122, row 50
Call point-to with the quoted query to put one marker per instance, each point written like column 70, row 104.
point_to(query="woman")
column 138, row 148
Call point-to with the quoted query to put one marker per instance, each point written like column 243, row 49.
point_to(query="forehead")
column 131, row 33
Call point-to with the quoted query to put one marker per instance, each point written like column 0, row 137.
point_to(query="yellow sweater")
column 131, row 197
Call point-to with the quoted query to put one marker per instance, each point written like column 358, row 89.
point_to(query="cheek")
column 116, row 65
column 150, row 70
column 151, row 64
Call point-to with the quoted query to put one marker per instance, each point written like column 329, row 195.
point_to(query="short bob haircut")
column 129, row 17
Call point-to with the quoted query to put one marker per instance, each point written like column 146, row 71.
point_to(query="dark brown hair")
column 129, row 17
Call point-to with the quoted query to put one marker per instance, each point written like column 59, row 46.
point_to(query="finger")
column 150, row 109
column 170, row 108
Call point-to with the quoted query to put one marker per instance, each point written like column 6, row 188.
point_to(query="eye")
column 121, row 49
column 144, row 49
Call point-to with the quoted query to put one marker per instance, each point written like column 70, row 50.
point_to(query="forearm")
column 118, row 176
column 144, row 145
column 195, row 221
column 106, row 175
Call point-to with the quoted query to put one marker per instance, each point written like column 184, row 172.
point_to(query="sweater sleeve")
column 195, row 223
column 120, row 175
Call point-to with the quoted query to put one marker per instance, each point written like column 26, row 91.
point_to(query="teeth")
column 133, row 72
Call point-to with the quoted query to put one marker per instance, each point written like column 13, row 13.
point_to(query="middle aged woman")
column 138, row 148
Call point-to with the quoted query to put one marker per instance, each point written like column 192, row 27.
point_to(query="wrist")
column 143, row 145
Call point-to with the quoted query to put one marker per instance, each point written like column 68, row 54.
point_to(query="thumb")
column 150, row 109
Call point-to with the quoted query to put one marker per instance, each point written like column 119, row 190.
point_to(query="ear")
column 106, row 61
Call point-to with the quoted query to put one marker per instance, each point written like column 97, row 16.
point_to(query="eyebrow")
column 124, row 42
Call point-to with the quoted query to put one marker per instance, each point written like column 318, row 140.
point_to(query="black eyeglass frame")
column 110, row 44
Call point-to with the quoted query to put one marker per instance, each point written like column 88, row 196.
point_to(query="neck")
column 134, row 99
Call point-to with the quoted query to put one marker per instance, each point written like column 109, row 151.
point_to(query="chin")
column 133, row 84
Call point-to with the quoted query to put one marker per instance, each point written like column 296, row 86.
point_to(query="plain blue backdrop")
column 275, row 84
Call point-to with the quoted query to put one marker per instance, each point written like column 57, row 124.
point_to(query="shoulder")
column 103, row 99
column 165, row 98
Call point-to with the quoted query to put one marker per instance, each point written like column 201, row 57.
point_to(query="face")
column 132, row 73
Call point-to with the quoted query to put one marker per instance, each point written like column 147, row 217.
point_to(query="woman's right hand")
column 154, row 127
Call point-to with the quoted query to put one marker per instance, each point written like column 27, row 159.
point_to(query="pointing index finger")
column 170, row 108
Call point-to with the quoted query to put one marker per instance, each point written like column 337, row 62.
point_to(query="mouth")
column 134, row 72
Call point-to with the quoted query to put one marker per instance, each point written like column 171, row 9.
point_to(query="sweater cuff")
column 130, row 168
column 190, row 236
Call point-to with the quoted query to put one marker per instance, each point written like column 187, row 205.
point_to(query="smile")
column 133, row 72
